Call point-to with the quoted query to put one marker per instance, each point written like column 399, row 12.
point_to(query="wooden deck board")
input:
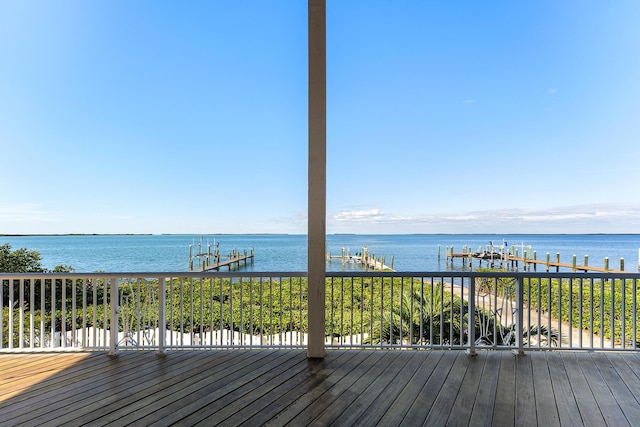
column 352, row 400
column 607, row 402
column 624, row 386
column 525, row 410
column 392, row 387
column 462, row 409
column 116, row 393
column 211, row 378
column 544, row 398
column 443, row 404
column 276, row 413
column 482, row 412
column 587, row 404
column 348, row 387
column 566, row 404
column 423, row 403
column 411, row 391
column 12, row 379
column 319, row 384
column 336, row 389
column 249, row 398
column 504, row 406
column 366, row 390
column 61, row 389
column 628, row 376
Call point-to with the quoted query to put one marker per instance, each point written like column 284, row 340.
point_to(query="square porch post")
column 317, row 177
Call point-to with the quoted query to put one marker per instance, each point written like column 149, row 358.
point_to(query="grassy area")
column 603, row 307
column 385, row 309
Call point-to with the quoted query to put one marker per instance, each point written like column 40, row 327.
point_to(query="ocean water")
column 288, row 253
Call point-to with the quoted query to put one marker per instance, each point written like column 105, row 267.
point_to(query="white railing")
column 509, row 310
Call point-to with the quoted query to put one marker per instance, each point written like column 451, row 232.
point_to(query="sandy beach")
column 506, row 311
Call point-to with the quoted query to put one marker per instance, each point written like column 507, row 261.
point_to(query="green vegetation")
column 353, row 306
column 19, row 261
column 252, row 307
column 47, row 302
column 382, row 310
column 429, row 317
column 36, row 294
column 25, row 261
column 595, row 304
column 590, row 304
column 255, row 307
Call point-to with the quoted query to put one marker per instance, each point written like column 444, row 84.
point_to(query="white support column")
column 471, row 298
column 519, row 317
column 317, row 176
column 113, row 317
column 162, row 317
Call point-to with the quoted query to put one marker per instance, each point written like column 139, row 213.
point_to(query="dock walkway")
column 216, row 261
column 368, row 261
column 515, row 260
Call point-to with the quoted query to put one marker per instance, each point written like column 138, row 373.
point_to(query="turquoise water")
column 288, row 253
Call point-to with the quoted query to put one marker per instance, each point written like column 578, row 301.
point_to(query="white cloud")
column 359, row 215
column 26, row 213
column 596, row 218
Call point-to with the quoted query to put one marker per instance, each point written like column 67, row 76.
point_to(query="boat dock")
column 505, row 258
column 209, row 261
column 368, row 261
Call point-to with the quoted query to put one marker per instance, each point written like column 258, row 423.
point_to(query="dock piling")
column 548, row 261
column 529, row 258
column 367, row 260
column 206, row 261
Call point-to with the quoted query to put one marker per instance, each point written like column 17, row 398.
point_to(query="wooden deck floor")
column 278, row 387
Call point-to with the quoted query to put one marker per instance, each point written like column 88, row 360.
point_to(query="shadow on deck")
column 348, row 387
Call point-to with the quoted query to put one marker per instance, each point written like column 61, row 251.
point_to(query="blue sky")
column 442, row 117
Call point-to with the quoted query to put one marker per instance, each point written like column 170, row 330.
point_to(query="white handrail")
column 520, row 311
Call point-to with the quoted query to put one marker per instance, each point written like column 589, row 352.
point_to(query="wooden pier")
column 208, row 261
column 368, row 261
column 505, row 259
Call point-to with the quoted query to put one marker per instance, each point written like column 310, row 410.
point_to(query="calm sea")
column 288, row 253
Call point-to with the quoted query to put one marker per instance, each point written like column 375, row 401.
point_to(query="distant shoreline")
column 76, row 234
column 148, row 234
column 328, row 234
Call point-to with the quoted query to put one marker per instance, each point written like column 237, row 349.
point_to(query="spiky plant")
column 437, row 317
column 534, row 336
